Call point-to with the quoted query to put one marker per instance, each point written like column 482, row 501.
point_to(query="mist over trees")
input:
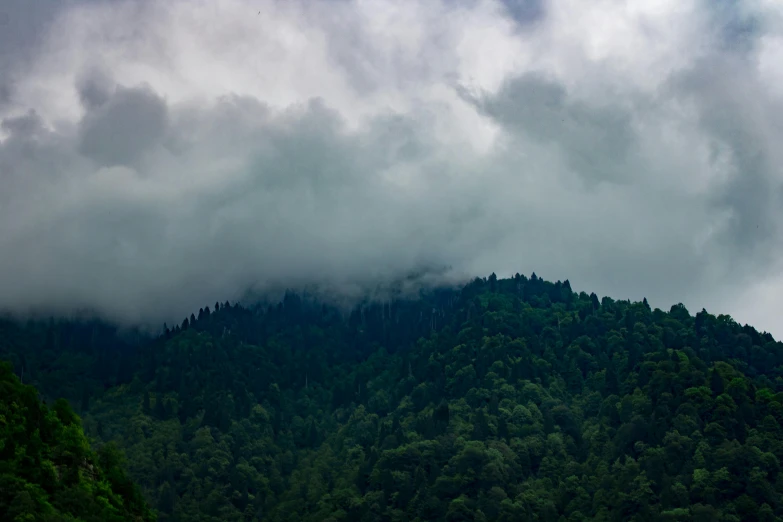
column 504, row 400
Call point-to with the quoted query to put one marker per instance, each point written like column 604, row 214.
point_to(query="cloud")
column 122, row 128
column 525, row 12
column 594, row 141
column 159, row 156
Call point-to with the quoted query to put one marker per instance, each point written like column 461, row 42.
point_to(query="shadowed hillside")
column 505, row 400
column 47, row 470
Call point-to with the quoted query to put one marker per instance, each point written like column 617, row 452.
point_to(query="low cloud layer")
column 157, row 156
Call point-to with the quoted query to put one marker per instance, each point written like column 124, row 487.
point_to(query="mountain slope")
column 47, row 470
column 506, row 400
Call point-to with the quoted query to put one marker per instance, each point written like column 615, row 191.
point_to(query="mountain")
column 48, row 471
column 504, row 400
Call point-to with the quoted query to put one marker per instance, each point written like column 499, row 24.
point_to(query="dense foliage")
column 506, row 400
column 48, row 471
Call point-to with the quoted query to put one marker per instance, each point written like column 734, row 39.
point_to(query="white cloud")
column 181, row 152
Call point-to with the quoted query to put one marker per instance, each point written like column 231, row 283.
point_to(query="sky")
column 158, row 156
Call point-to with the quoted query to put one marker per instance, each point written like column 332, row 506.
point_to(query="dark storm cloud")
column 525, row 12
column 95, row 87
column 23, row 126
column 24, row 21
column 595, row 141
column 24, row 24
column 738, row 26
column 5, row 92
column 736, row 112
column 120, row 127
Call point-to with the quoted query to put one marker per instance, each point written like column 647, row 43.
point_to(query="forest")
column 503, row 400
column 47, row 469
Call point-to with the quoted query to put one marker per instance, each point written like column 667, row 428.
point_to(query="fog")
column 158, row 156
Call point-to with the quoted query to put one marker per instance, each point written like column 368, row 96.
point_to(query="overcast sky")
column 158, row 156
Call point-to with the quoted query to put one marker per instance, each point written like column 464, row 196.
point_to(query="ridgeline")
column 504, row 400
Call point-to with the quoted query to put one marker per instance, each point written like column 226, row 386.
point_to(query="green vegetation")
column 506, row 400
column 47, row 470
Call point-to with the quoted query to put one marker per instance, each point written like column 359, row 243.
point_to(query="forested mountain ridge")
column 514, row 399
column 47, row 470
